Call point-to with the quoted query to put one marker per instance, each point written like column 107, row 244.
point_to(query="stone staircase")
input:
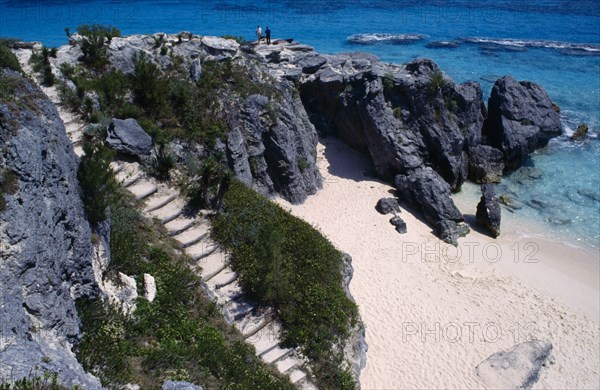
column 259, row 327
column 211, row 263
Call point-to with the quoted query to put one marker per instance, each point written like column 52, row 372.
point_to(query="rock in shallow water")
column 518, row 368
column 581, row 132
column 521, row 119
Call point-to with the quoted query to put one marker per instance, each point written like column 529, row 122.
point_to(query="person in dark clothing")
column 268, row 35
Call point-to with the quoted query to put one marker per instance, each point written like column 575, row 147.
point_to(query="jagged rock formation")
column 521, row 119
column 355, row 350
column 518, row 368
column 399, row 224
column 46, row 252
column 488, row 210
column 277, row 156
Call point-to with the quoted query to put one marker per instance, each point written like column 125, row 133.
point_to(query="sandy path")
column 431, row 316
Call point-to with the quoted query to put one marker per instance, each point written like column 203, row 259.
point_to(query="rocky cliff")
column 46, row 246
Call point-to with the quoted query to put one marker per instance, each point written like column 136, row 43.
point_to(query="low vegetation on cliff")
column 285, row 263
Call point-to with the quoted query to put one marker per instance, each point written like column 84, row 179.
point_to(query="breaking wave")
column 396, row 39
column 563, row 47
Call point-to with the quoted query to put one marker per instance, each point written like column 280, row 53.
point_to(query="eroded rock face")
column 46, row 247
column 517, row 368
column 488, row 210
column 486, row 164
column 272, row 146
column 521, row 119
column 355, row 350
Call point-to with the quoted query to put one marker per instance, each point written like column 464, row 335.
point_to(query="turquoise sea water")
column 555, row 43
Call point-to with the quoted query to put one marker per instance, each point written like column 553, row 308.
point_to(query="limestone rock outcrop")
column 46, row 247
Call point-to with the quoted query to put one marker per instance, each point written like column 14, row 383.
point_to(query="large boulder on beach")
column 517, row 368
column 521, row 118
column 127, row 136
column 488, row 210
column 424, row 190
column 486, row 164
column 387, row 206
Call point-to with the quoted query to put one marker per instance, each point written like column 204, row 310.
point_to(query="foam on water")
column 372, row 38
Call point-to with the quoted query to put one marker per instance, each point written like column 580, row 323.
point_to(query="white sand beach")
column 433, row 312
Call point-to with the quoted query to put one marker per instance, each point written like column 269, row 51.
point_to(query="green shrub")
column 112, row 87
column 239, row 39
column 150, row 89
column 97, row 181
column 93, row 46
column 388, row 81
column 9, row 186
column 436, row 83
column 37, row 380
column 285, row 263
column 162, row 164
column 8, row 58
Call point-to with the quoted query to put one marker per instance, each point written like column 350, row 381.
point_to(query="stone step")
column 192, row 236
column 170, row 211
column 116, row 167
column 270, row 345
column 276, row 354
column 266, row 338
column 159, row 202
column 253, row 324
column 142, row 189
column 180, row 225
column 287, row 364
column 219, row 277
column 131, row 180
column 240, row 310
column 296, row 375
column 230, row 293
column 212, row 264
column 202, row 250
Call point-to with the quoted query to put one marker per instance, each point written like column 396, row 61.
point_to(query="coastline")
column 432, row 314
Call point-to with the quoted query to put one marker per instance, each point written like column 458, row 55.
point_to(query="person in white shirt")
column 258, row 33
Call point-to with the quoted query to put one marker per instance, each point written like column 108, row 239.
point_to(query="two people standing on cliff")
column 267, row 34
